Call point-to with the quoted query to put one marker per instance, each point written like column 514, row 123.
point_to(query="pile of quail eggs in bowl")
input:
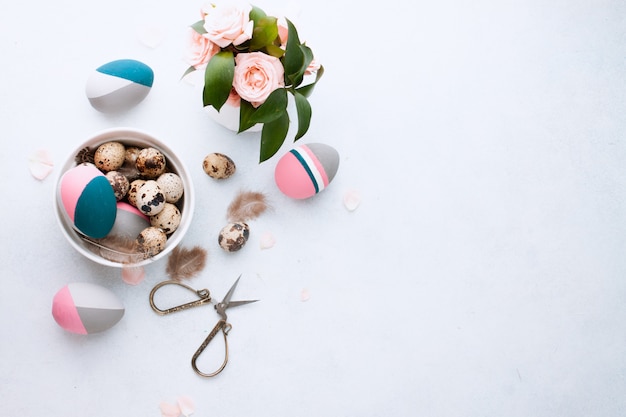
column 123, row 198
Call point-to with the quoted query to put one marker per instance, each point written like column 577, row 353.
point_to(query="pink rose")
column 200, row 50
column 233, row 98
column 256, row 76
column 313, row 67
column 283, row 32
column 228, row 24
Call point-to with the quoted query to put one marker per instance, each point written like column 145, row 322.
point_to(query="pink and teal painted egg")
column 86, row 308
column 88, row 200
column 306, row 170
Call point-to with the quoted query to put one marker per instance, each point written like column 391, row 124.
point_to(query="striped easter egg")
column 86, row 308
column 88, row 200
column 119, row 85
column 306, row 170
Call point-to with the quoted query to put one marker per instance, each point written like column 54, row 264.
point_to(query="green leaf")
column 303, row 108
column 246, row 111
column 189, row 71
column 294, row 57
column 275, row 105
column 264, row 33
column 307, row 90
column 218, row 79
column 297, row 78
column 256, row 14
column 273, row 136
column 297, row 58
column 199, row 27
column 274, row 50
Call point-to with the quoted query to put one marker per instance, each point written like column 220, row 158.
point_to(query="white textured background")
column 482, row 275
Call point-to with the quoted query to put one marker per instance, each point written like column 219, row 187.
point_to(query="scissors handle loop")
column 203, row 294
column 225, row 328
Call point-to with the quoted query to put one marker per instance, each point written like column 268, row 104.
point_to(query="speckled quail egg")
column 119, row 182
column 233, row 236
column 151, row 241
column 167, row 219
column 150, row 162
column 172, row 186
column 150, row 198
column 109, row 156
column 219, row 166
column 133, row 190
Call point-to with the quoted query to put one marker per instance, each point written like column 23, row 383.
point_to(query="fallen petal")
column 133, row 275
column 305, row 295
column 267, row 240
column 187, row 407
column 169, row 410
column 150, row 36
column 40, row 164
column 351, row 200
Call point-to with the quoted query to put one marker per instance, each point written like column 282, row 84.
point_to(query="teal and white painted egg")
column 88, row 200
column 86, row 308
column 119, row 85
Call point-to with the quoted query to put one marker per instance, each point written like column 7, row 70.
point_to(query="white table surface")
column 483, row 273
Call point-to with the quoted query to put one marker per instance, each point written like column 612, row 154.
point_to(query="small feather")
column 185, row 263
column 118, row 249
column 130, row 171
column 247, row 205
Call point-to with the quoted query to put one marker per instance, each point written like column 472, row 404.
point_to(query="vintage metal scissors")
column 203, row 294
column 222, row 324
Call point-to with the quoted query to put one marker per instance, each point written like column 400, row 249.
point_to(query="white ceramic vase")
column 228, row 116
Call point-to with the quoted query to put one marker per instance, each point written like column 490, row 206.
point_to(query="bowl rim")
column 131, row 136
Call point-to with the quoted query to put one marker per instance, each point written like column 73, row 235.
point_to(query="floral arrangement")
column 253, row 61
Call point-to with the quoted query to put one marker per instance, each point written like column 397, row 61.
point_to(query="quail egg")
column 233, row 236
column 219, row 166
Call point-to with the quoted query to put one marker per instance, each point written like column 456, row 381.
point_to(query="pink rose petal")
column 267, row 240
column 351, row 200
column 133, row 275
column 150, row 36
column 186, row 404
column 305, row 295
column 40, row 164
column 169, row 410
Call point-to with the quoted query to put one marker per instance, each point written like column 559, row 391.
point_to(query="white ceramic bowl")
column 130, row 137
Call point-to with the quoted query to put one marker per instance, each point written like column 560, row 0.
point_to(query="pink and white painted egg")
column 88, row 199
column 306, row 170
column 86, row 308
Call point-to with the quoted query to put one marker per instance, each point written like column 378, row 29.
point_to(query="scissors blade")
column 239, row 303
column 230, row 292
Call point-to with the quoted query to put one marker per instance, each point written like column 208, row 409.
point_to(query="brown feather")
column 130, row 171
column 115, row 248
column 247, row 205
column 185, row 263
